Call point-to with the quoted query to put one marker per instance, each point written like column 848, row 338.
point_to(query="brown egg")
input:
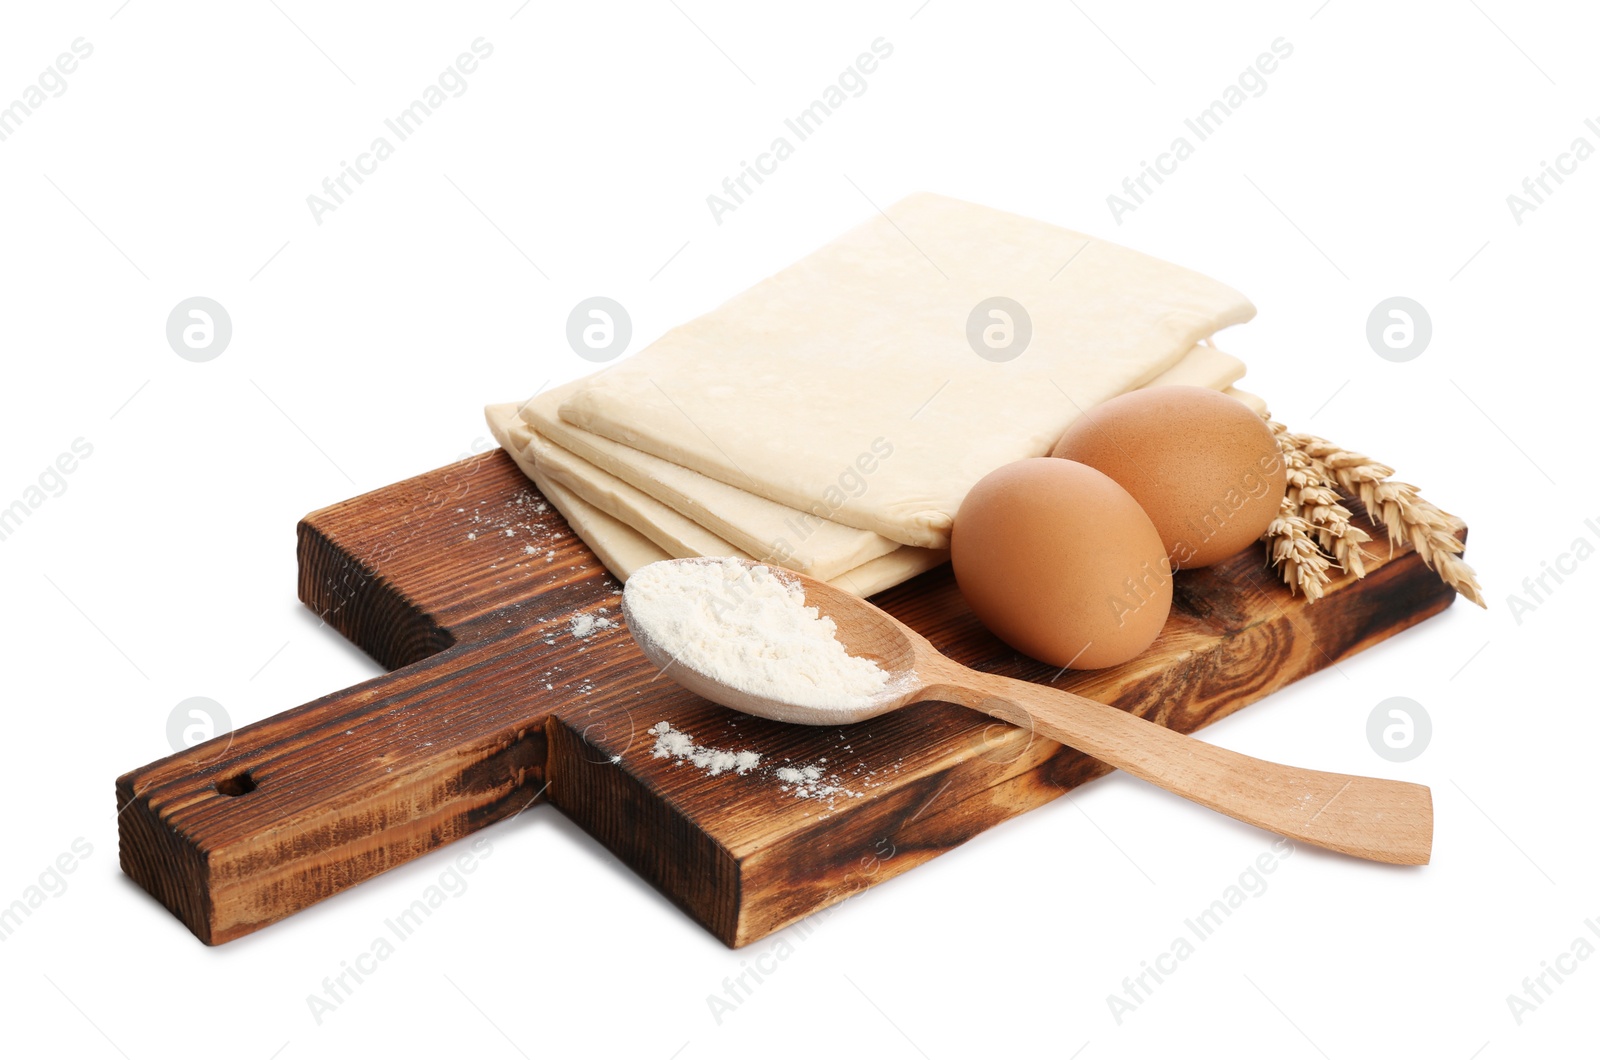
column 1061, row 563
column 1205, row 468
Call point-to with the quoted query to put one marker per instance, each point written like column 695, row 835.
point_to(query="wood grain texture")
column 466, row 583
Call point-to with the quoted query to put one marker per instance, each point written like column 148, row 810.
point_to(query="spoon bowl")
column 865, row 631
column 1381, row 820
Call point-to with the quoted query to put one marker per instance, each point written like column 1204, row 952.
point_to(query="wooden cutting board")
column 471, row 588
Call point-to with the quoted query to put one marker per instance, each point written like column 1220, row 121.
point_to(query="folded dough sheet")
column 832, row 417
column 859, row 355
column 624, row 549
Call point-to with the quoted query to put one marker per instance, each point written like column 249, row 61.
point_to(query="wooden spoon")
column 1381, row 820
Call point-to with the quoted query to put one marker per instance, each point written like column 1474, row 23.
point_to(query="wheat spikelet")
column 1339, row 537
column 1403, row 511
column 1315, row 492
column 1293, row 550
column 1318, row 471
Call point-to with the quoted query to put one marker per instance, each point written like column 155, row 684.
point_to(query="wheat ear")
column 1315, row 492
column 1404, row 513
column 1294, row 551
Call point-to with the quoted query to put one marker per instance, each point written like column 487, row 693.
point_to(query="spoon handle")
column 1381, row 820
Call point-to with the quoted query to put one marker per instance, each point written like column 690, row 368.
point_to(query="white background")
column 1378, row 162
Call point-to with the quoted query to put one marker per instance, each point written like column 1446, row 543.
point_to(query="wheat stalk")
column 1319, row 471
column 1403, row 511
column 1294, row 551
column 1315, row 493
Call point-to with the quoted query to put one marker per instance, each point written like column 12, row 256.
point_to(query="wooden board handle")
column 237, row 832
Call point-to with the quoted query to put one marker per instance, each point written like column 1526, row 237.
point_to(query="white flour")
column 749, row 628
column 802, row 781
column 671, row 743
column 808, row 782
column 584, row 626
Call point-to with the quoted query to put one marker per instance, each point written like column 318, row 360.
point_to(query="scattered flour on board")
column 809, row 782
column 518, row 516
column 584, row 625
column 670, row 743
column 804, row 781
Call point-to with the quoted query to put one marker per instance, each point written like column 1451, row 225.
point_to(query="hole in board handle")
column 240, row 783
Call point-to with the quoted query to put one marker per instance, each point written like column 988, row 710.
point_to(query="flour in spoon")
column 749, row 628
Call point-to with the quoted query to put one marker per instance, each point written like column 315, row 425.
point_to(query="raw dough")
column 752, row 524
column 624, row 550
column 1204, row 365
column 1257, row 404
column 619, row 547
column 671, row 532
column 857, row 356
